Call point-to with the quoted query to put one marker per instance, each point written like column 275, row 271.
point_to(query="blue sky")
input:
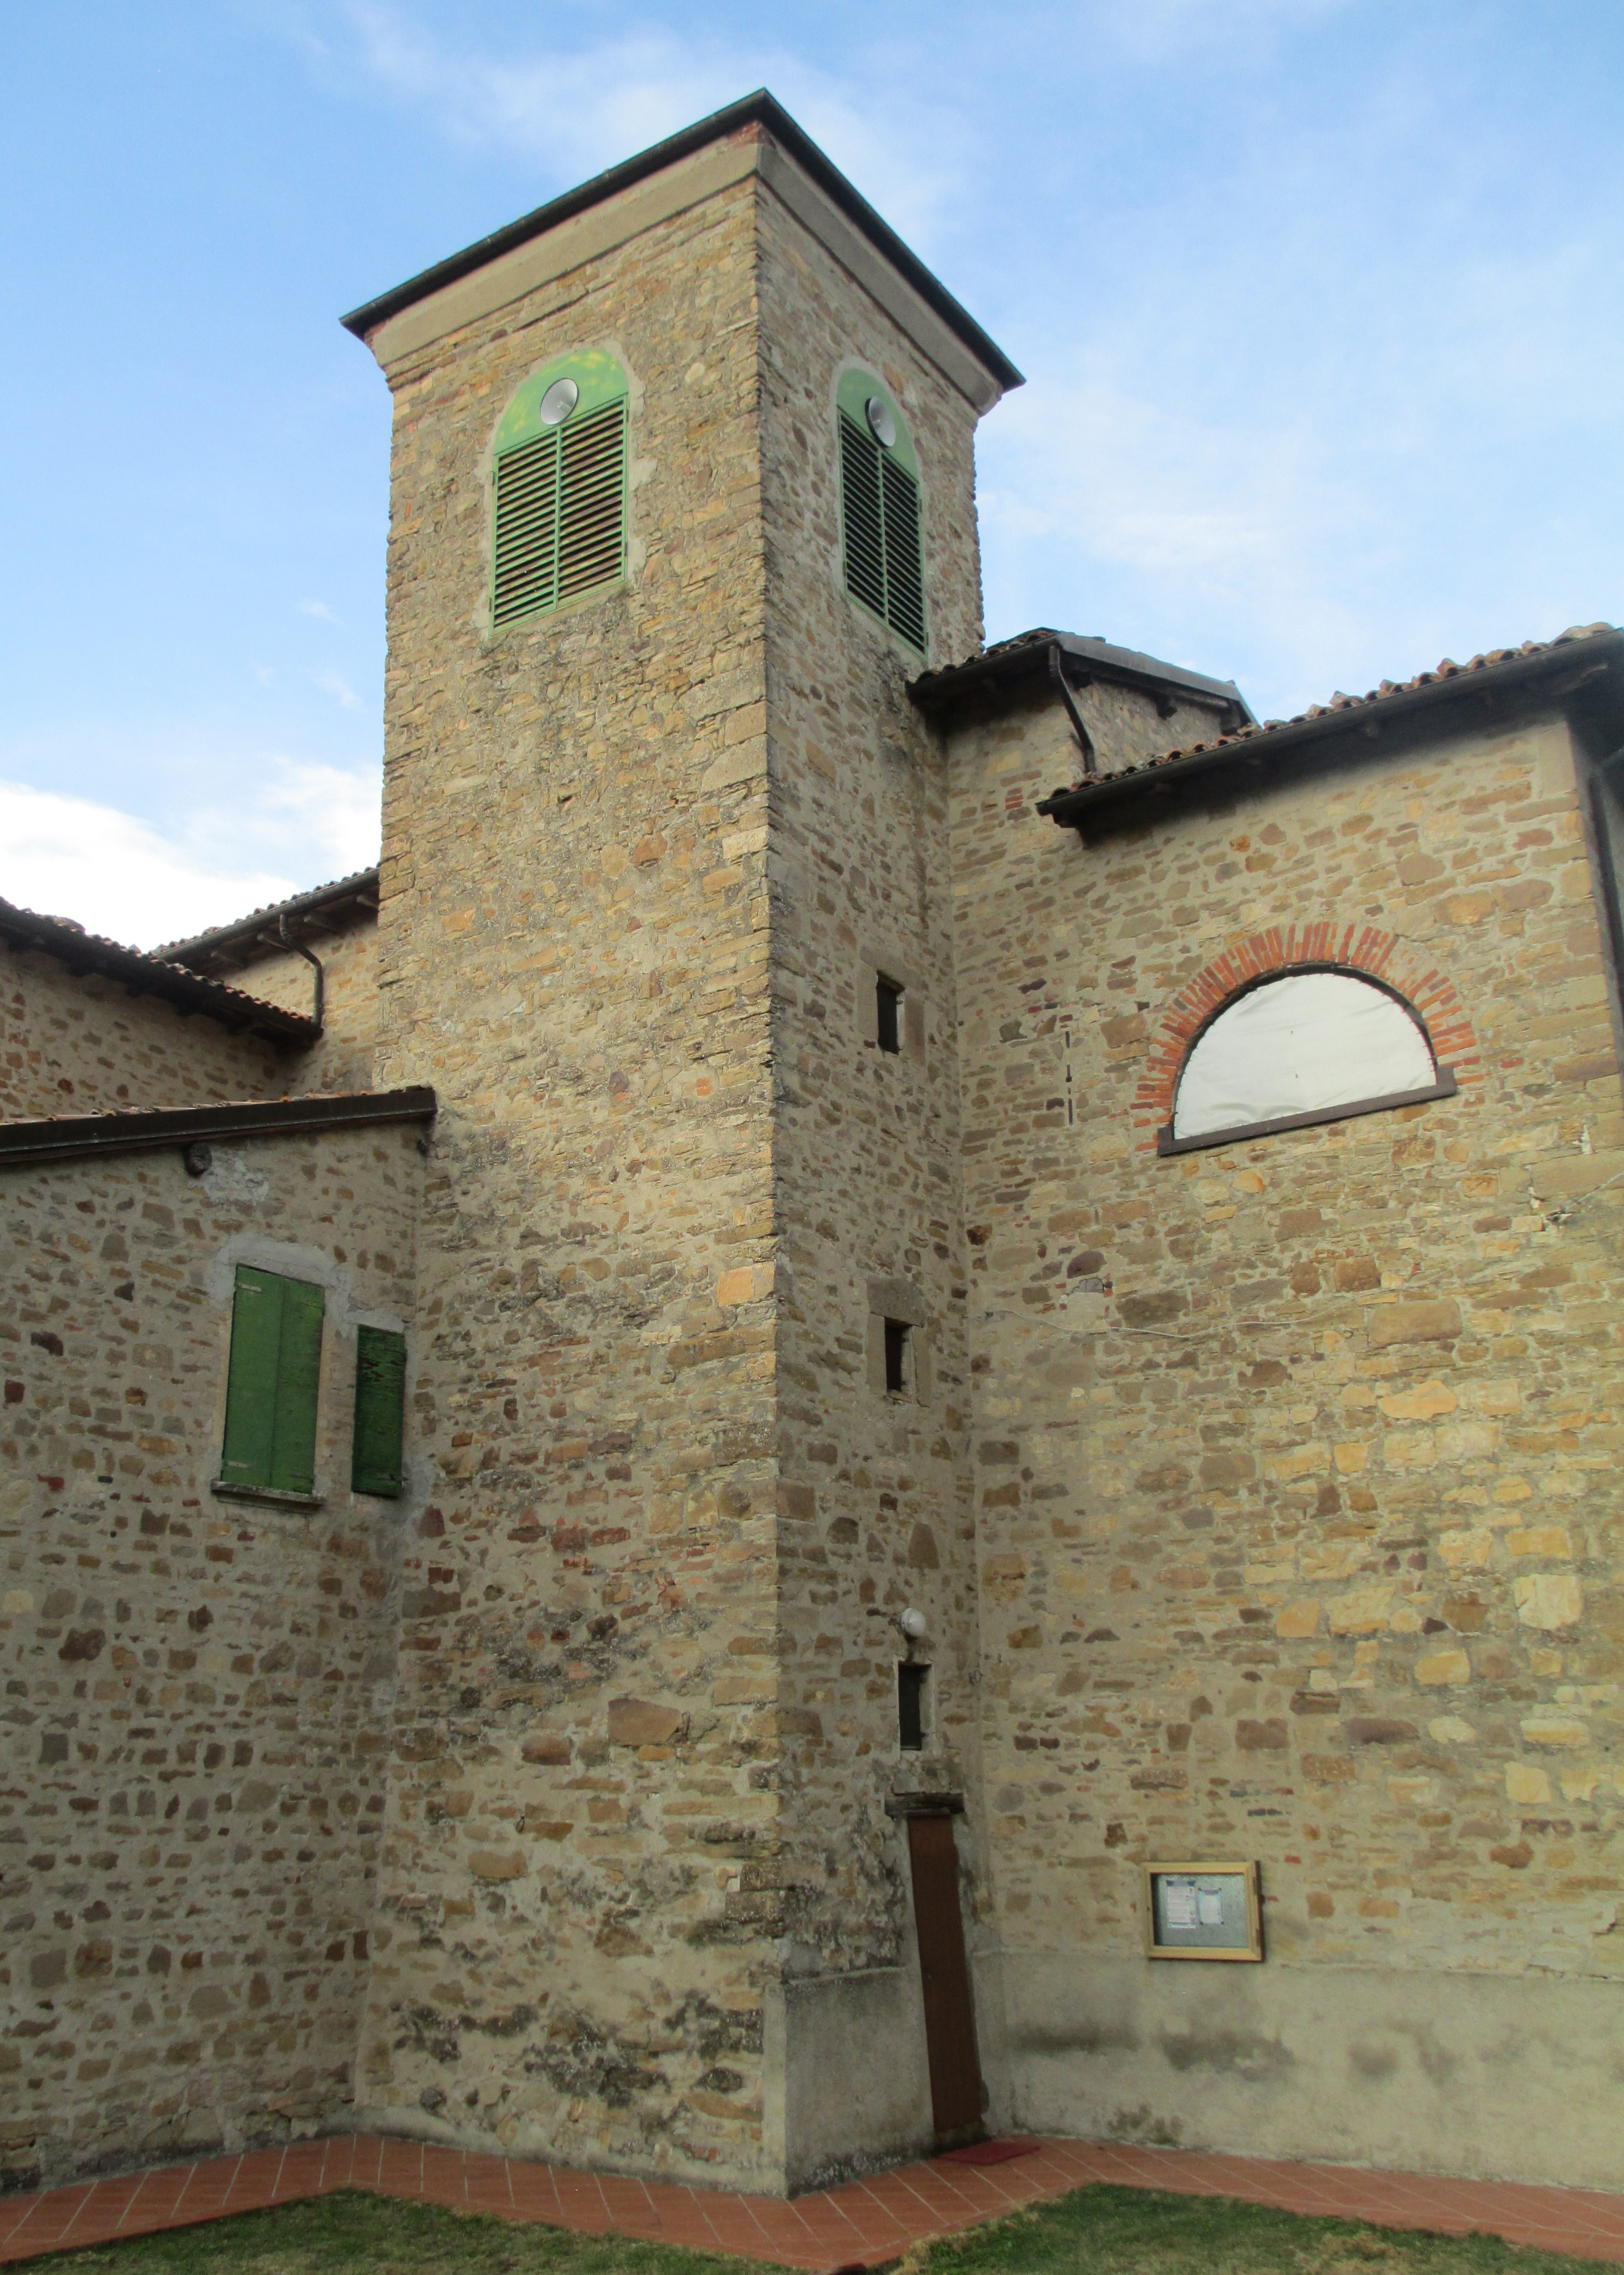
column 1319, row 303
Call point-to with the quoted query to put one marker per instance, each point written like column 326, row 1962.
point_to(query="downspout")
column 294, row 948
column 1090, row 764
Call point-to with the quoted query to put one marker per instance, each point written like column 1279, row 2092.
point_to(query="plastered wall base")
column 1512, row 2077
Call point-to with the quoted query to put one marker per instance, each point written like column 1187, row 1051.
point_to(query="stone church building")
column 885, row 1396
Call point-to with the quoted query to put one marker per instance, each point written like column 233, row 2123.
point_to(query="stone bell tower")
column 665, row 919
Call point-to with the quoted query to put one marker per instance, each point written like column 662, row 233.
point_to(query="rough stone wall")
column 87, row 1045
column 196, row 1697
column 571, row 1950
column 1299, row 1514
column 342, row 1058
column 874, row 1510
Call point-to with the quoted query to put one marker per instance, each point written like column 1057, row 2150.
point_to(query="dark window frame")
column 899, row 1337
column 889, row 995
column 912, row 1691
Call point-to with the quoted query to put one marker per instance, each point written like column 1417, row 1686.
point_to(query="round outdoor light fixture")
column 559, row 400
column 881, row 425
column 911, row 1623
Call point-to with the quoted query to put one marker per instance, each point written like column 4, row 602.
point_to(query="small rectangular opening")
column 897, row 1333
column 888, row 1014
column 911, row 1682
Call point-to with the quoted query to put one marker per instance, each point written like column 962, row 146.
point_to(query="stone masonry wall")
column 87, row 1045
column 874, row 1500
column 196, row 1694
column 571, row 1955
column 341, row 1060
column 1298, row 1465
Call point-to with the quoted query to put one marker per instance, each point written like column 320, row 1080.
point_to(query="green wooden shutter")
column 561, row 514
column 904, row 570
column 880, row 511
column 298, row 1380
column 526, row 529
column 250, row 1379
column 591, row 510
column 860, row 495
column 376, row 1459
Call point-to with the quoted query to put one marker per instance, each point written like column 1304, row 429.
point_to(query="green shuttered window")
column 272, row 1384
column 882, row 538
column 560, row 487
column 376, row 1461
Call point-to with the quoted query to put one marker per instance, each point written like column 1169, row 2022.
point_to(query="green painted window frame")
column 559, row 493
column 882, row 511
column 273, row 1386
column 377, row 1444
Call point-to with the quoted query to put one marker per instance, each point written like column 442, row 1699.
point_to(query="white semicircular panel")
column 1299, row 1045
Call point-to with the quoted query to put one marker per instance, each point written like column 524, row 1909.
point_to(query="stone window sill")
column 268, row 1494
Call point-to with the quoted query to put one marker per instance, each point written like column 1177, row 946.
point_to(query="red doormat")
column 991, row 2153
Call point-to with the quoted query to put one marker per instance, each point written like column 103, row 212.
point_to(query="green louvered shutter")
column 526, row 529
column 860, row 494
column 592, row 508
column 561, row 514
column 904, row 572
column 250, row 1379
column 299, row 1381
column 880, row 511
column 376, row 1459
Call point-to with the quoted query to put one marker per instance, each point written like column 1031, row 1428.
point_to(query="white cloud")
column 330, row 684
column 577, row 111
column 124, row 878
column 317, row 608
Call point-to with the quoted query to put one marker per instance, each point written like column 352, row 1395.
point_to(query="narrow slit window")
column 888, row 1014
column 377, row 1461
column 899, row 1338
column 273, row 1379
column 911, row 1682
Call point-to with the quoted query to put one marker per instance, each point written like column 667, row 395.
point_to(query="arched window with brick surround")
column 1298, row 1047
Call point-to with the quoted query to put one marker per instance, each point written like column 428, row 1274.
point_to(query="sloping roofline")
column 758, row 110
column 1588, row 658
column 1026, row 655
column 151, row 975
column 315, row 915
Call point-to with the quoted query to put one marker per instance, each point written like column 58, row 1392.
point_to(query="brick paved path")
column 864, row 2222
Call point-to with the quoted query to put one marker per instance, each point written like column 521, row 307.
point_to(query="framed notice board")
column 1202, row 1911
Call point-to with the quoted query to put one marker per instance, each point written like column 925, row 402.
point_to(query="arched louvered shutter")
column 882, row 539
column 561, row 488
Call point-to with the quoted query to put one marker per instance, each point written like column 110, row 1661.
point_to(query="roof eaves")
column 300, row 913
column 1025, row 655
column 759, row 109
column 1497, row 670
column 81, row 951
column 67, row 1137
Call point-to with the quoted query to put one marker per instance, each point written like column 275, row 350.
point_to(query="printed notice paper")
column 1209, row 1906
column 1179, row 1903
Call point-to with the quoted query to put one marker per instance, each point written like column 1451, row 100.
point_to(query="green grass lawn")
column 1096, row 2231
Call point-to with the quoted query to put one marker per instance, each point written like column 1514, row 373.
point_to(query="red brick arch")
column 1404, row 966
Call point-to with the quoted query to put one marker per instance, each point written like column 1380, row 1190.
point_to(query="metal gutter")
column 76, row 1136
column 758, row 110
column 188, row 991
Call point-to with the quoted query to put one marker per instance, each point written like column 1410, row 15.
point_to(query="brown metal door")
column 949, row 2022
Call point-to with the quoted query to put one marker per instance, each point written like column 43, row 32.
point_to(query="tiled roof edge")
column 151, row 975
column 73, row 1137
column 1427, row 688
column 1026, row 653
column 359, row 887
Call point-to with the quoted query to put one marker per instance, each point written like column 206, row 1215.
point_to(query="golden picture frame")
column 1202, row 1911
